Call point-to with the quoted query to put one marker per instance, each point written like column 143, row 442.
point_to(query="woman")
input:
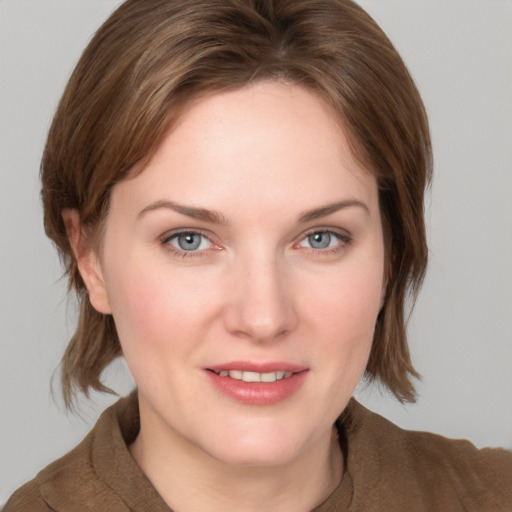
column 237, row 190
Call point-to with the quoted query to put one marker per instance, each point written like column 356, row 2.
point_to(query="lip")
column 249, row 366
column 257, row 393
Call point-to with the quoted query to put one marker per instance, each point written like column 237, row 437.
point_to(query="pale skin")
column 282, row 260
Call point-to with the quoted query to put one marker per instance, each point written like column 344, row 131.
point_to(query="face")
column 244, row 270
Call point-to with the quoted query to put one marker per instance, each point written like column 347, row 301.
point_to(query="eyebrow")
column 323, row 211
column 216, row 217
column 190, row 211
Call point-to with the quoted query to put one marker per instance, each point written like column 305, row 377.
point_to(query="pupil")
column 189, row 241
column 320, row 240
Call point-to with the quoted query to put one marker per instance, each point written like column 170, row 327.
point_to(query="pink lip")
column 248, row 366
column 257, row 393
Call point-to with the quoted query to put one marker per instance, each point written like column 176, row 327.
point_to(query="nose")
column 262, row 305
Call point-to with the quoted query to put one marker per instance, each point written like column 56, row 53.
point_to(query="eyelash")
column 344, row 240
column 165, row 241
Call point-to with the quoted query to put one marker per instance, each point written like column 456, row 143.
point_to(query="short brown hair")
column 152, row 57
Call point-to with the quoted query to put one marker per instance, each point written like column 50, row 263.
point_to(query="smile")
column 257, row 383
column 255, row 376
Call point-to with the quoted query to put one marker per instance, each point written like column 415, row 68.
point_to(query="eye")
column 189, row 241
column 324, row 240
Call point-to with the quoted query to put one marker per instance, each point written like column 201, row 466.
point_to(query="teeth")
column 268, row 377
column 251, row 377
column 255, row 376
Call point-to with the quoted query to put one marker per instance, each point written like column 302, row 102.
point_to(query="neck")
column 189, row 479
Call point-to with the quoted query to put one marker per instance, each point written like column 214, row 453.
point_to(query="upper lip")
column 258, row 367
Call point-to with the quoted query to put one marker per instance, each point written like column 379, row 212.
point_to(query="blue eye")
column 189, row 241
column 322, row 240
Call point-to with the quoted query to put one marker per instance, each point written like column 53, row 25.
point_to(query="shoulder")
column 72, row 482
column 439, row 472
column 69, row 483
column 58, row 475
column 478, row 476
column 26, row 498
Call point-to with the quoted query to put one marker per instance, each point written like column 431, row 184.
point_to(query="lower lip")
column 258, row 393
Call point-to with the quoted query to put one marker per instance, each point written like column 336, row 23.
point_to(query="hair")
column 151, row 58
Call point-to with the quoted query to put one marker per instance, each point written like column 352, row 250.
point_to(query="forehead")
column 262, row 114
column 261, row 144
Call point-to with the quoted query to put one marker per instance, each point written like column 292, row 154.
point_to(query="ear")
column 87, row 261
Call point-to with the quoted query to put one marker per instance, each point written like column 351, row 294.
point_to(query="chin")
column 268, row 456
column 261, row 448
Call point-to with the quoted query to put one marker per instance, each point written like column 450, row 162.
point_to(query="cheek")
column 349, row 299
column 154, row 304
column 155, row 321
column 134, row 297
column 345, row 309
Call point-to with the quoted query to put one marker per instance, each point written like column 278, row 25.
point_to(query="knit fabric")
column 387, row 469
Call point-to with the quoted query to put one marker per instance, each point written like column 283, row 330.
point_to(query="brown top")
column 387, row 469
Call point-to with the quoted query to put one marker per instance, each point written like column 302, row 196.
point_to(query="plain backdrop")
column 460, row 54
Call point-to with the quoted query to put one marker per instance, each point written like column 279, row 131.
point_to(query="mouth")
column 248, row 376
column 257, row 383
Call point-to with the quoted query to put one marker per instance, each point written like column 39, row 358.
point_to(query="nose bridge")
column 262, row 303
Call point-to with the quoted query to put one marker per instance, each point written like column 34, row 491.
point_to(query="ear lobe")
column 87, row 261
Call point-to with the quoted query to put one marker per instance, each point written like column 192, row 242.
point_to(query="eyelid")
column 184, row 231
column 169, row 235
column 339, row 232
column 345, row 238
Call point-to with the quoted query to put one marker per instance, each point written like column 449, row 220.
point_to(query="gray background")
column 460, row 53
